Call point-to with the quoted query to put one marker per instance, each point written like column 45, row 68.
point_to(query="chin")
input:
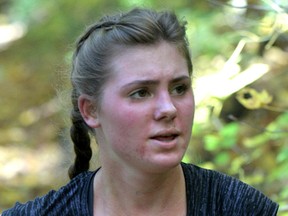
column 163, row 164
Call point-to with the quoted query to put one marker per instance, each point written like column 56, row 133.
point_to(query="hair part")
column 95, row 51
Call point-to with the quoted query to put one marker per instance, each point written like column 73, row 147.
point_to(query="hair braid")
column 81, row 139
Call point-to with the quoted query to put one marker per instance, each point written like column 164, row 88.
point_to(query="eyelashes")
column 146, row 92
column 179, row 90
column 140, row 93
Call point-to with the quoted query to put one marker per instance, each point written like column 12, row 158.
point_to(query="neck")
column 122, row 192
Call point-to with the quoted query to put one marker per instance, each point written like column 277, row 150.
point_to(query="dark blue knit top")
column 208, row 193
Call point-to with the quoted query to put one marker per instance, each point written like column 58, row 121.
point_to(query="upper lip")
column 166, row 133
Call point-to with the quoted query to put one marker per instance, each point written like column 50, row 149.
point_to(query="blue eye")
column 179, row 90
column 141, row 93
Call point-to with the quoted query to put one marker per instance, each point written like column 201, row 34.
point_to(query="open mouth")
column 165, row 138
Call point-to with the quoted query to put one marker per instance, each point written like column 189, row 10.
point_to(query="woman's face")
column 147, row 109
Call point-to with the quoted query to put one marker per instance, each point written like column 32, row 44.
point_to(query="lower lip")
column 165, row 143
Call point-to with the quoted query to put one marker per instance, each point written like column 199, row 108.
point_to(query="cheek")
column 186, row 115
column 126, row 125
column 129, row 139
column 128, row 120
column 186, row 110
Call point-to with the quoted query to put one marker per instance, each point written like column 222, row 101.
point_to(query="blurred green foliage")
column 34, row 92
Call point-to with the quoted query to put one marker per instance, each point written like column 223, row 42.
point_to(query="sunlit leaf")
column 229, row 135
column 283, row 154
column 211, row 142
column 186, row 158
column 222, row 158
column 252, row 99
column 256, row 141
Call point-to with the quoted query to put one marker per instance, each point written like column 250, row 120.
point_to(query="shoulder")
column 68, row 200
column 224, row 194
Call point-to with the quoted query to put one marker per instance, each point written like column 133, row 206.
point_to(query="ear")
column 88, row 111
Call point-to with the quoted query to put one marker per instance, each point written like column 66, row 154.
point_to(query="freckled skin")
column 129, row 117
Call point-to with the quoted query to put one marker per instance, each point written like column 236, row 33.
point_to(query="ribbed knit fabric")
column 213, row 193
column 69, row 200
column 208, row 193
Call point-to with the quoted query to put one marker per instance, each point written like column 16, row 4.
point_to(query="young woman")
column 131, row 79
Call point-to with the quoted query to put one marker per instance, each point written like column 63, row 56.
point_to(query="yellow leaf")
column 252, row 99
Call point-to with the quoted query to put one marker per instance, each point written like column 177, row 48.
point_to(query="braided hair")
column 94, row 54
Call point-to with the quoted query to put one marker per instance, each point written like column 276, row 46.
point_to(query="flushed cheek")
column 186, row 110
column 186, row 116
column 127, row 128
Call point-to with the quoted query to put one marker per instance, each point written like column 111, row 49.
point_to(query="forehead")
column 159, row 60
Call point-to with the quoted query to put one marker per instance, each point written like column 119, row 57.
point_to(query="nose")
column 165, row 108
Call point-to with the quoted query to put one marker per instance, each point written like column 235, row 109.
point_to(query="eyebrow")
column 155, row 82
column 181, row 78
